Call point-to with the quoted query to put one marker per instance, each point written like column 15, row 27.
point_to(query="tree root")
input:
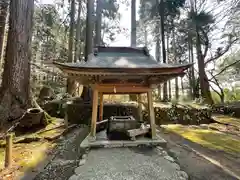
column 23, row 140
column 28, row 140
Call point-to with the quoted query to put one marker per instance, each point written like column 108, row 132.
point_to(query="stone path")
column 141, row 163
column 66, row 159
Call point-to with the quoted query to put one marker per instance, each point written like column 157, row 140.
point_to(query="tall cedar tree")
column 3, row 16
column 15, row 89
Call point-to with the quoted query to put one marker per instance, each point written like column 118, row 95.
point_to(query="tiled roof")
column 120, row 57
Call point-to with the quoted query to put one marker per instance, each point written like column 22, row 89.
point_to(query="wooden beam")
column 121, row 88
column 94, row 113
column 122, row 93
column 120, row 85
column 101, row 107
column 151, row 114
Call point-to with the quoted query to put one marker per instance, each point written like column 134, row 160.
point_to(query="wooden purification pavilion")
column 121, row 70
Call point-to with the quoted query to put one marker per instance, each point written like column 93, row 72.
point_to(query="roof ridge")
column 121, row 49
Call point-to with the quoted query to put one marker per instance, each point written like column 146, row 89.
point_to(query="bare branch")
column 214, row 89
column 220, row 54
column 206, row 43
column 225, row 68
column 221, row 93
column 64, row 21
column 215, row 82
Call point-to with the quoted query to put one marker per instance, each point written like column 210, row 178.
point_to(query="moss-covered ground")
column 30, row 149
column 207, row 137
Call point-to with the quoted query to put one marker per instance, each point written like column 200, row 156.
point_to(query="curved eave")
column 122, row 71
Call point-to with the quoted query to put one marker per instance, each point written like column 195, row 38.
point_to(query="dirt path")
column 65, row 160
column 201, row 163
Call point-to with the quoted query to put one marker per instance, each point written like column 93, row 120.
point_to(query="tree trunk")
column 78, row 34
column 175, row 61
column 98, row 27
column 161, row 10
column 15, row 87
column 195, row 82
column 158, row 53
column 133, row 97
column 204, row 84
column 145, row 36
column 221, row 93
column 77, row 56
column 192, row 73
column 133, row 24
column 197, row 88
column 191, row 87
column 3, row 18
column 159, row 92
column 86, row 95
column 176, row 89
column 71, row 84
column 71, row 31
column 169, row 90
column 182, row 86
column 222, row 97
column 169, row 82
column 195, row 93
column 89, row 29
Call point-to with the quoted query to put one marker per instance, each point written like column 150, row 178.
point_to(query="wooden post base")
column 8, row 151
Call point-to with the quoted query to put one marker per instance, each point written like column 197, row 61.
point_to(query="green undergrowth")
column 26, row 156
column 34, row 153
column 2, row 153
column 30, row 149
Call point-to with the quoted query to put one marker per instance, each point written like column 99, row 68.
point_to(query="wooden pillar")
column 8, row 151
column 101, row 107
column 94, row 113
column 151, row 114
column 140, row 107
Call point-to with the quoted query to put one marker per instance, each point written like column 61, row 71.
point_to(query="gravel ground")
column 67, row 157
column 128, row 163
column 141, row 163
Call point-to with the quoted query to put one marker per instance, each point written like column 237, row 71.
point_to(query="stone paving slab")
column 87, row 142
column 141, row 163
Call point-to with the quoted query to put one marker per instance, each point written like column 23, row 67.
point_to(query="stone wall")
column 181, row 115
column 227, row 109
column 80, row 113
